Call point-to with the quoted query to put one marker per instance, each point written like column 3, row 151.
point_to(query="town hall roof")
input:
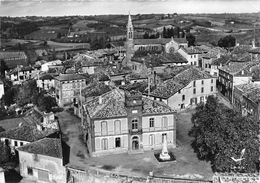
column 47, row 146
column 112, row 105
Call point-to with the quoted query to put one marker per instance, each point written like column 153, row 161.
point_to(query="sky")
column 97, row 7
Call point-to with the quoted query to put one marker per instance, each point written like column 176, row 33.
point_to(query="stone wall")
column 95, row 175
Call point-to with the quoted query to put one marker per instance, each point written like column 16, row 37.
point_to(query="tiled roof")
column 46, row 77
column 21, row 69
column 246, row 57
column 173, row 85
column 69, row 77
column 222, row 60
column 255, row 50
column 250, row 90
column 47, row 146
column 112, row 99
column 155, row 107
column 161, row 41
column 27, row 133
column 157, row 60
column 15, row 54
column 113, row 105
column 241, row 49
column 235, row 67
column 95, row 89
column 193, row 50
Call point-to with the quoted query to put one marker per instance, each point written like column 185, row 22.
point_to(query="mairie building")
column 125, row 122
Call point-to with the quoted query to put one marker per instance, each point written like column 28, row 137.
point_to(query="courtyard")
column 187, row 164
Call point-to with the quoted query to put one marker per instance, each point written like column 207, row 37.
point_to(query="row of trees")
column 220, row 133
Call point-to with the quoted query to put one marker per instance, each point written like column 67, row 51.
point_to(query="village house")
column 44, row 161
column 186, row 89
column 120, row 121
column 13, row 59
column 45, row 82
column 2, row 91
column 41, row 119
column 247, row 99
column 235, row 73
column 21, row 74
column 191, row 54
column 46, row 66
column 156, row 63
column 25, row 134
column 208, row 58
column 67, row 86
column 218, row 62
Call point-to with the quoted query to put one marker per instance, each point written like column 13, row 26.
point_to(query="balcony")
column 135, row 131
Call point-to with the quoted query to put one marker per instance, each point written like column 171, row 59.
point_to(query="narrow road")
column 70, row 128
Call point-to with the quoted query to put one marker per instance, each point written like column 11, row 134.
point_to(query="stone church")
column 152, row 45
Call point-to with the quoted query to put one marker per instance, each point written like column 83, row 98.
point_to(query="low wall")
column 96, row 175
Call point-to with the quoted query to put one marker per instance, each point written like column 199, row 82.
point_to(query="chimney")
column 100, row 100
column 253, row 44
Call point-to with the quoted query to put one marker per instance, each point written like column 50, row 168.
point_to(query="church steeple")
column 130, row 28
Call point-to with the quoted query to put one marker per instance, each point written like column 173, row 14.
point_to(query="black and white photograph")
column 129, row 91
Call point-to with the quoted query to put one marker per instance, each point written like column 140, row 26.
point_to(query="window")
column 195, row 63
column 134, row 111
column 183, row 97
column 179, row 91
column 117, row 125
column 194, row 91
column 21, row 143
column 202, row 90
column 194, row 83
column 35, row 157
column 104, row 128
column 211, row 89
column 118, row 142
column 134, row 123
column 151, row 122
column 104, row 144
column 202, row 99
column 164, row 122
column 202, row 82
column 164, row 134
column 151, row 140
column 15, row 143
column 211, row 80
column 29, row 171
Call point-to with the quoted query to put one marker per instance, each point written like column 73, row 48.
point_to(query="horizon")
column 15, row 8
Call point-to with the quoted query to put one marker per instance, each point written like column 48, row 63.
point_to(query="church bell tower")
column 129, row 44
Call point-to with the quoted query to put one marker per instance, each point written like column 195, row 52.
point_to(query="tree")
column 221, row 133
column 146, row 35
column 46, row 103
column 191, row 39
column 3, row 68
column 26, row 92
column 227, row 42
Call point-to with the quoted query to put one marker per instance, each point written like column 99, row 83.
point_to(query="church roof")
column 161, row 41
